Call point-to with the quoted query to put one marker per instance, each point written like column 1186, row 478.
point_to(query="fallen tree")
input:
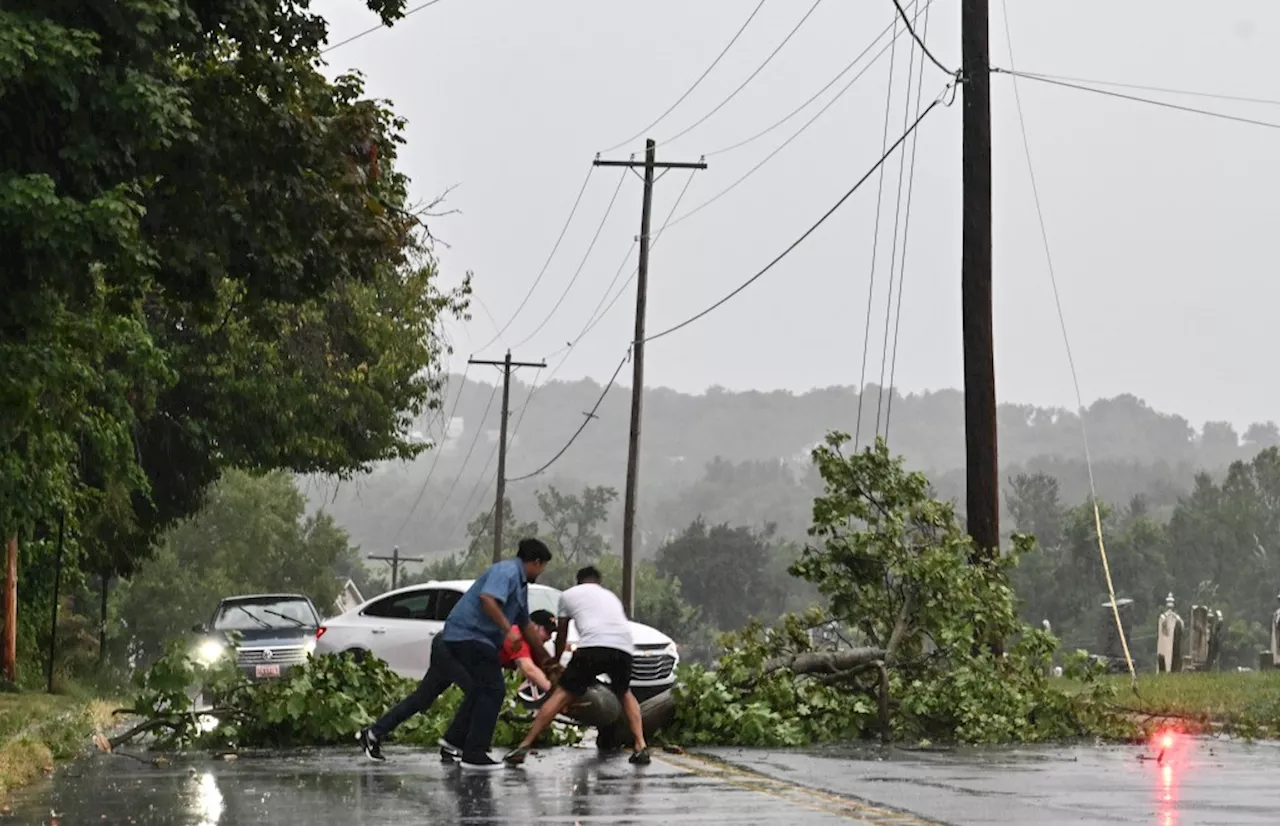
column 894, row 566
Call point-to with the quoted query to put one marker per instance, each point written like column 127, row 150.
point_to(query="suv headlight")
column 672, row 650
column 209, row 652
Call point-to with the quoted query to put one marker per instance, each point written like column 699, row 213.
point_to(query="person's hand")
column 554, row 672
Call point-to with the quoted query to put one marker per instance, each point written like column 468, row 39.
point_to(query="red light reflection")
column 1168, row 746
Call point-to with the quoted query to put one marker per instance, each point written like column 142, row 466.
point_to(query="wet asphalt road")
column 1200, row 783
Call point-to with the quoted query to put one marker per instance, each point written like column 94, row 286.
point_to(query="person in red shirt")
column 516, row 655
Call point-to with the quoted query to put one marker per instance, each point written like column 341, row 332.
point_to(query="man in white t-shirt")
column 604, row 647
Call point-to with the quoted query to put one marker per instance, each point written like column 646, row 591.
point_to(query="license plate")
column 267, row 671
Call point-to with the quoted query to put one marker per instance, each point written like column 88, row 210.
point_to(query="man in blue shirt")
column 466, row 653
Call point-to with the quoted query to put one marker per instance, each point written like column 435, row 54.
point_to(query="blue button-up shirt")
column 506, row 582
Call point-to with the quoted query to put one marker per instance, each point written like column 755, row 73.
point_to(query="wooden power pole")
column 394, row 561
column 498, row 511
column 982, row 488
column 637, row 361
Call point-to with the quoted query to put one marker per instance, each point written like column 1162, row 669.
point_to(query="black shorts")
column 580, row 674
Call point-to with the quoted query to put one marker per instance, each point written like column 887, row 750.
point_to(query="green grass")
column 37, row 729
column 1243, row 702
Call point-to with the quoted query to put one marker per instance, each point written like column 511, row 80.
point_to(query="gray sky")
column 1162, row 224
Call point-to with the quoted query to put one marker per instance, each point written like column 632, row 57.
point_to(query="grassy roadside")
column 1244, row 703
column 37, row 729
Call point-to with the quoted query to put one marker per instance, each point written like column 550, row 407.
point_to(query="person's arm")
column 497, row 590
column 562, row 637
column 534, row 674
column 536, row 645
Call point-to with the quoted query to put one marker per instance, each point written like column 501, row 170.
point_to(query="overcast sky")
column 1163, row 225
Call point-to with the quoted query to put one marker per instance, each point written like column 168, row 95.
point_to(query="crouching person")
column 604, row 647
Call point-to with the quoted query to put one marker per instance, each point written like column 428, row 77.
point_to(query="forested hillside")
column 742, row 457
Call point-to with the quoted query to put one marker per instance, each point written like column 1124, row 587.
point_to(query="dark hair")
column 533, row 550
column 589, row 574
column 545, row 619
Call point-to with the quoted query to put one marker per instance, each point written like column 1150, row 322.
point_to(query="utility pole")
column 498, row 511
column 982, row 488
column 394, row 560
column 637, row 362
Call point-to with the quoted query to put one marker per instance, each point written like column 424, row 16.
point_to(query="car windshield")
column 268, row 612
column 544, row 598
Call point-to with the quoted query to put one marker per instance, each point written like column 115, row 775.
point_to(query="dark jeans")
column 473, row 725
column 443, row 671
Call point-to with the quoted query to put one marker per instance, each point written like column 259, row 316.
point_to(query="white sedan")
column 398, row 626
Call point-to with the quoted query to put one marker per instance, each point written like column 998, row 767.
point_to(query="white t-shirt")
column 598, row 616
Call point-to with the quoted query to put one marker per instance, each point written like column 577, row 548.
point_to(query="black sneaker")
column 480, row 763
column 641, row 758
column 448, row 751
column 369, row 742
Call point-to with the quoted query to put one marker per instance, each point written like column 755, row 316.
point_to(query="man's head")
column 589, row 574
column 535, row 555
column 545, row 622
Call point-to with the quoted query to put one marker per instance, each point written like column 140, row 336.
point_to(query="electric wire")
column 378, row 27
column 906, row 231
column 598, row 316
column 462, row 468
column 897, row 221
column 1136, row 99
column 1066, row 341
column 1144, row 88
column 920, row 42
column 832, row 82
column 435, row 459
column 603, row 219
column 750, row 77
column 875, row 252
column 789, row 140
column 695, row 85
column 576, row 202
column 878, row 164
column 586, row 420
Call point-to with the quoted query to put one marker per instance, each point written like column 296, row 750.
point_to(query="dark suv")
column 272, row 633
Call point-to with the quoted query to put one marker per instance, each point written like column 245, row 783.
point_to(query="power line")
column 750, row 77
column 789, row 140
column 819, row 93
column 356, row 37
column 689, row 91
column 586, row 420
column 897, row 220
column 906, row 231
column 1161, row 103
column 603, row 219
column 487, row 314
column 1143, row 88
column 545, row 264
column 875, row 253
column 920, row 42
column 597, row 316
column 1066, row 341
column 806, row 233
column 436, row 459
column 479, row 429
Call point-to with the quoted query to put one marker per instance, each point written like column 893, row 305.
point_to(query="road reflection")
column 207, row 803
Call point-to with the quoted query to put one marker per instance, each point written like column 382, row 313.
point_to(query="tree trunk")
column 9, row 649
column 825, row 662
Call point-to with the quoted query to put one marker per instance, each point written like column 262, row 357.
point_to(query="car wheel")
column 358, row 655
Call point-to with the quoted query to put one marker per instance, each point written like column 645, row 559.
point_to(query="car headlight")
column 209, row 652
column 672, row 650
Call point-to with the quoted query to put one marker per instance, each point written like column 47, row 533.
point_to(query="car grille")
column 279, row 656
column 651, row 669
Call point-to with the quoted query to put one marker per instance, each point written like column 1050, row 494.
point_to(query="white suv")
column 397, row 627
